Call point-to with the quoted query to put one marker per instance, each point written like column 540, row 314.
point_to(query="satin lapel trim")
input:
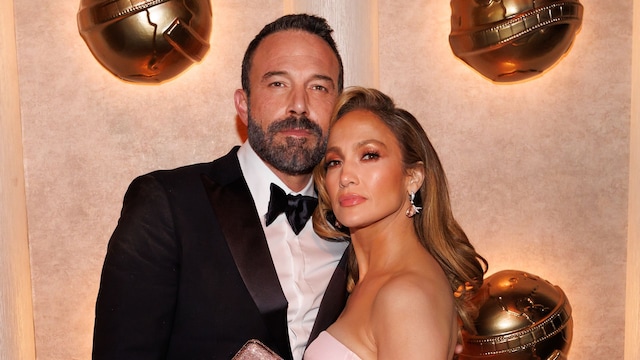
column 238, row 220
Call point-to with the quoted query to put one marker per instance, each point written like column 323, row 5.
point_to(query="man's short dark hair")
column 304, row 22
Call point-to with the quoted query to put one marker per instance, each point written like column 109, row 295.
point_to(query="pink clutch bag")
column 255, row 350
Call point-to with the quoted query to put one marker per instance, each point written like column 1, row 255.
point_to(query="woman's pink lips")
column 350, row 200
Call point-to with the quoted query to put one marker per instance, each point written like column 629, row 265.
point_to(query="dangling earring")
column 413, row 209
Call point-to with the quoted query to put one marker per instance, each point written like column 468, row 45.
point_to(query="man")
column 198, row 263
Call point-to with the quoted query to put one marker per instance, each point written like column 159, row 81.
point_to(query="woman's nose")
column 347, row 176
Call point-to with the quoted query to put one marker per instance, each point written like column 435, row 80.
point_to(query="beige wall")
column 632, row 325
column 539, row 171
column 16, row 311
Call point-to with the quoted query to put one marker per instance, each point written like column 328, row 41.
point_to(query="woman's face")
column 365, row 177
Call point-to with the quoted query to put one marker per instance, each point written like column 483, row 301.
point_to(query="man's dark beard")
column 293, row 156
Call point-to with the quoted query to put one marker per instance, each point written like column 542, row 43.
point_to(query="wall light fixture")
column 146, row 41
column 513, row 40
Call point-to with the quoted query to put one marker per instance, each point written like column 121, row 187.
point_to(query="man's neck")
column 294, row 182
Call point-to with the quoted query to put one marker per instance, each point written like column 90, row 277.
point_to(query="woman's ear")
column 416, row 177
column 242, row 105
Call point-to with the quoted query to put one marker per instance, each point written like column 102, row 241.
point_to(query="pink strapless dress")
column 326, row 347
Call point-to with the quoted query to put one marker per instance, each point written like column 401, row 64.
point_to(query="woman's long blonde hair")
column 437, row 229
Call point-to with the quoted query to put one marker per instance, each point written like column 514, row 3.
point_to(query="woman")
column 381, row 186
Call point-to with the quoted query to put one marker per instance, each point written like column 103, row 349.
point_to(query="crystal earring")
column 413, row 209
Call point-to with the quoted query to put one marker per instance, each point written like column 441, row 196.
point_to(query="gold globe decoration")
column 146, row 41
column 521, row 317
column 513, row 40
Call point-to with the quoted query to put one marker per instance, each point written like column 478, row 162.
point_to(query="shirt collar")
column 259, row 178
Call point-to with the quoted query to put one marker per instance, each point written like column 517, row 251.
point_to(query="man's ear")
column 241, row 102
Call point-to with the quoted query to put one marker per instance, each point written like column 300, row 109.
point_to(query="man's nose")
column 298, row 101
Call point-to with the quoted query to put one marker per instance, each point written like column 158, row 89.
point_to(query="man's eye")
column 320, row 88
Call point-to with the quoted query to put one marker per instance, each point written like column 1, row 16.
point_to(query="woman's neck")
column 383, row 250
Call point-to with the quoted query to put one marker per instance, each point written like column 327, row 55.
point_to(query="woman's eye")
column 370, row 156
column 331, row 163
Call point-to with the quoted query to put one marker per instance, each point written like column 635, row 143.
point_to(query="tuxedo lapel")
column 235, row 211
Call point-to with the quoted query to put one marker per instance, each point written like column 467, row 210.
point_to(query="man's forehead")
column 284, row 46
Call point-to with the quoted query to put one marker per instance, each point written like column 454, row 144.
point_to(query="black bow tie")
column 298, row 208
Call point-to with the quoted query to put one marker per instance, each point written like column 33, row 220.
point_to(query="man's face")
column 293, row 80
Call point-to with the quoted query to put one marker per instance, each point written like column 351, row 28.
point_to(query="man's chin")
column 295, row 160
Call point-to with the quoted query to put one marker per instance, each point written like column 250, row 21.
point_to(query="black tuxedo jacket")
column 188, row 274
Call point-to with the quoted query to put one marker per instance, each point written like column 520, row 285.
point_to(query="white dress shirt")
column 304, row 262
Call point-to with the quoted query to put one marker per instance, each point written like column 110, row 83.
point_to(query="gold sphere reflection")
column 513, row 40
column 521, row 317
column 147, row 41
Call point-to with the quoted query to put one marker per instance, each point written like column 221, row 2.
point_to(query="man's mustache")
column 292, row 122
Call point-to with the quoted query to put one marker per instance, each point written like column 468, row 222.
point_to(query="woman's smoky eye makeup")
column 330, row 163
column 372, row 150
column 371, row 155
column 331, row 159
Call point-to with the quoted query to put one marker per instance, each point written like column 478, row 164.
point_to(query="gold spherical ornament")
column 521, row 317
column 146, row 41
column 513, row 40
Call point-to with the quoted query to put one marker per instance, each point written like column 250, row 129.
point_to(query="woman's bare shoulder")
column 414, row 316
column 413, row 290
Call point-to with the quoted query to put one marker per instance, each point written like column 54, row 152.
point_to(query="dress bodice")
column 326, row 347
